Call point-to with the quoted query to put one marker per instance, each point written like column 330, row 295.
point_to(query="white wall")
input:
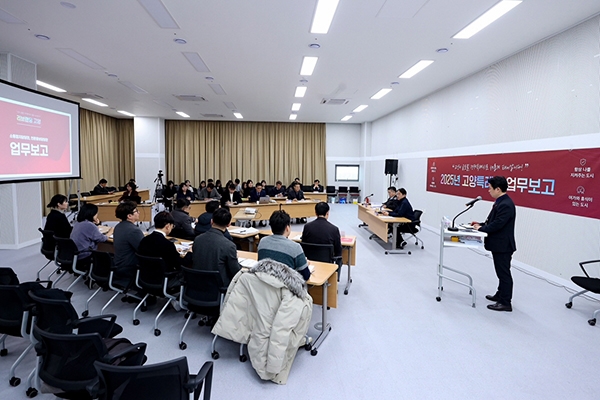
column 343, row 146
column 545, row 97
column 149, row 151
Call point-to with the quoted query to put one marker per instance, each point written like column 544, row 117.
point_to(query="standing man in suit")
column 500, row 227
column 321, row 231
column 156, row 244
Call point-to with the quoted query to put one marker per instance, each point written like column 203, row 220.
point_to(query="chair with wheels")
column 48, row 248
column 354, row 193
column 152, row 277
column 342, row 194
column 331, row 192
column 66, row 361
column 140, row 382
column 415, row 227
column 589, row 284
column 103, row 273
column 323, row 253
column 67, row 257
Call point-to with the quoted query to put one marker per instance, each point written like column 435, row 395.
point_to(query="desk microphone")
column 367, row 200
column 473, row 201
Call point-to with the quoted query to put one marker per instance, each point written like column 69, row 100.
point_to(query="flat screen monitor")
column 39, row 136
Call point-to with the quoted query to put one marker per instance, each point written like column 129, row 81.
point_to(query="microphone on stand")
column 367, row 200
column 469, row 205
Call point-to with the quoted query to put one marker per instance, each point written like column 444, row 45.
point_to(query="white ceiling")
column 254, row 50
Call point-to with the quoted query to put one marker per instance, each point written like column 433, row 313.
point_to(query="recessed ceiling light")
column 442, row 50
column 67, row 5
column 323, row 16
column 380, row 94
column 133, row 87
column 300, row 91
column 360, row 108
column 347, row 117
column 81, row 58
column 238, row 115
column 293, row 117
column 182, row 114
column 296, row 106
column 42, row 37
column 159, row 13
column 415, row 69
column 95, row 102
column 487, row 18
column 9, row 18
column 314, row 46
column 229, row 105
column 196, row 61
column 180, row 41
column 49, row 86
column 308, row 65
column 126, row 113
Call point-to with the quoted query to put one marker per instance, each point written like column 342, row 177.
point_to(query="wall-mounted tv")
column 39, row 136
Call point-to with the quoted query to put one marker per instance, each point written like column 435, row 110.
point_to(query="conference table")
column 296, row 209
column 378, row 225
column 106, row 211
column 143, row 193
column 316, row 196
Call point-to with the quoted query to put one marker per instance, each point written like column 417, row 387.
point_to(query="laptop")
column 264, row 200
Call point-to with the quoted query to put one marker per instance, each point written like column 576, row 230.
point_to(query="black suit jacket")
column 157, row 245
column 321, row 231
column 237, row 198
column 500, row 226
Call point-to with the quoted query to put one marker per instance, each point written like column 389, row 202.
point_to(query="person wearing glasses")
column 126, row 239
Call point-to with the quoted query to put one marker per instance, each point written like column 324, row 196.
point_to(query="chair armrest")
column 195, row 382
column 81, row 324
column 133, row 349
column 581, row 264
column 93, row 388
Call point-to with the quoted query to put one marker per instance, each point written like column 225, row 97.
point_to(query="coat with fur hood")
column 269, row 309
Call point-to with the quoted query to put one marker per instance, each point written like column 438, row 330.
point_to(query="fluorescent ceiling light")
column 293, row 117
column 360, row 108
column 308, row 65
column 296, row 106
column 415, row 69
column 182, row 114
column 487, row 18
column 323, row 16
column 196, row 61
column 81, row 58
column 126, row 113
column 229, row 105
column 9, row 18
column 300, row 91
column 238, row 115
column 133, row 87
column 95, row 102
column 218, row 89
column 49, row 86
column 159, row 13
column 347, row 117
column 380, row 94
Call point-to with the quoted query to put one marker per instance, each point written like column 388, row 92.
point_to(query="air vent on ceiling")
column 335, row 102
column 189, row 97
column 88, row 95
column 213, row 115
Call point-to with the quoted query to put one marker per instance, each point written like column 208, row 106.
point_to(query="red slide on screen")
column 33, row 141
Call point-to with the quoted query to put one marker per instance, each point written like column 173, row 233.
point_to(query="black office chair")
column 103, row 273
column 66, row 259
column 331, row 192
column 342, row 194
column 122, row 188
column 66, row 361
column 153, row 278
column 354, row 193
column 415, row 227
column 175, row 382
column 323, row 253
column 589, row 284
column 307, row 188
column 48, row 248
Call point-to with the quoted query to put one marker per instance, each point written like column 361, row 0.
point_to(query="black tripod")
column 158, row 189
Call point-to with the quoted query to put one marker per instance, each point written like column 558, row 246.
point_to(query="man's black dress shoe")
column 499, row 307
column 494, row 298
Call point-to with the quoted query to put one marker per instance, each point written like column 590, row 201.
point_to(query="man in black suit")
column 101, row 188
column 156, row 244
column 231, row 197
column 500, row 227
column 321, row 231
column 317, row 186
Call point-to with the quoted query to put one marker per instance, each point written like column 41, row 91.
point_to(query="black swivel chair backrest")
column 122, row 188
column 102, row 265
column 330, row 190
column 48, row 244
column 318, row 252
column 202, row 291
column 168, row 380
column 343, row 189
column 14, row 303
column 307, row 188
column 152, row 273
column 66, row 253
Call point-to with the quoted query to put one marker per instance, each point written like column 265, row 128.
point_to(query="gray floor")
column 391, row 339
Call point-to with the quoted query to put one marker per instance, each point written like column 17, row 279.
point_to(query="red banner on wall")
column 561, row 181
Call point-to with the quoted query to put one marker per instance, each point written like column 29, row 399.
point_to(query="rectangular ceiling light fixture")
column 133, row 87
column 300, row 91
column 238, row 115
column 182, row 114
column 218, row 89
column 415, row 69
column 81, row 58
column 380, row 94
column 360, row 108
column 196, row 61
column 95, row 102
column 487, row 18
column 323, row 16
column 293, row 117
column 126, row 113
column 347, row 117
column 296, row 106
column 159, row 13
column 9, row 18
column 308, row 65
column 49, row 86
column 230, row 105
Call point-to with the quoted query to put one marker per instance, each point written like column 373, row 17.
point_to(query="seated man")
column 205, row 219
column 277, row 246
column 403, row 210
column 156, row 244
column 296, row 193
column 257, row 193
column 212, row 251
column 391, row 202
column 232, row 196
column 185, row 192
column 209, row 192
column 101, row 188
column 317, row 186
column 126, row 239
column 278, row 190
column 183, row 222
column 321, row 231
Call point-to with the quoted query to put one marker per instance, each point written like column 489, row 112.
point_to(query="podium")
column 466, row 238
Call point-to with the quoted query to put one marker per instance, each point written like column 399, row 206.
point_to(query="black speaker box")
column 391, row 167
